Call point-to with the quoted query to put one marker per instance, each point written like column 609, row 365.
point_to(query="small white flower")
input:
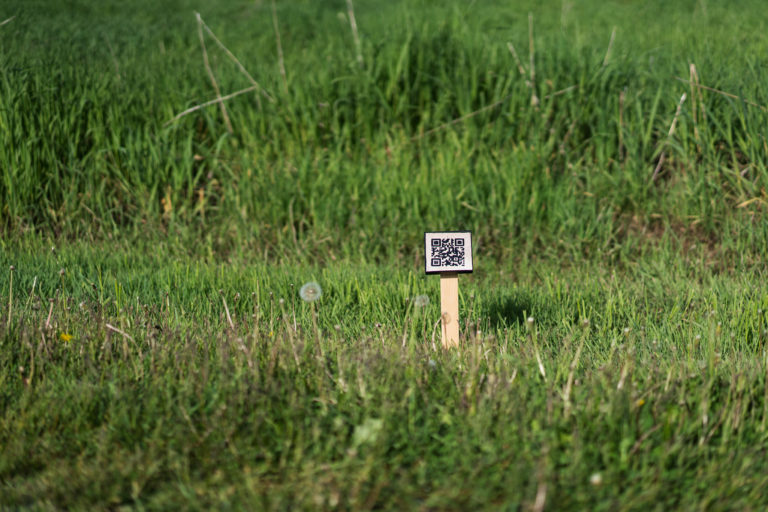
column 596, row 479
column 310, row 292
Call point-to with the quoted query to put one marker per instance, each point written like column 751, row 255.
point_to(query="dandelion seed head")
column 310, row 292
column 596, row 479
column 421, row 301
column 530, row 320
column 281, row 301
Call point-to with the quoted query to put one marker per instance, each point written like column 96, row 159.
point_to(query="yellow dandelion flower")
column 65, row 337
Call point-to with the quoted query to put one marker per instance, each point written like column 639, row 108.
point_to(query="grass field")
column 609, row 157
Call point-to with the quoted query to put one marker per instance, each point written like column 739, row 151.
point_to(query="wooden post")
column 448, row 253
column 449, row 308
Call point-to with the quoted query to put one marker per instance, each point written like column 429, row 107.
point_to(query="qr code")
column 447, row 252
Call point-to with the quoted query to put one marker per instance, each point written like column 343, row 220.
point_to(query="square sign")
column 448, row 251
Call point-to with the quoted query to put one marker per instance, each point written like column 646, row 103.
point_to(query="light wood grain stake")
column 449, row 307
column 448, row 253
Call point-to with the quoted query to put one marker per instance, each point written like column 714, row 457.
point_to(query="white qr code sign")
column 448, row 251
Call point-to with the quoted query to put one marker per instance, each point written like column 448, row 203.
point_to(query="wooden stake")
column 448, row 253
column 449, row 308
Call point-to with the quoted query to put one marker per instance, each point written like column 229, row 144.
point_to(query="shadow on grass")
column 508, row 308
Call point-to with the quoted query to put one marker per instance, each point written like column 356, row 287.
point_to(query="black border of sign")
column 449, row 271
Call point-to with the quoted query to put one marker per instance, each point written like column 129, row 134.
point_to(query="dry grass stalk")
column 10, row 296
column 663, row 155
column 481, row 110
column 569, row 383
column 520, row 67
column 278, row 41
column 532, row 59
column 120, row 332
column 610, row 45
column 208, row 70
column 726, row 94
column 355, row 35
column 541, row 497
column 622, row 97
column 209, row 103
column 50, row 314
column 695, row 100
column 226, row 309
column 237, row 63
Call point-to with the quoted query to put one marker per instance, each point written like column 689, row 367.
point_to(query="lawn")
column 610, row 159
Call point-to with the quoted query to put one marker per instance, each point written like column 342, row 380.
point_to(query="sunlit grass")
column 210, row 385
column 205, row 314
column 437, row 128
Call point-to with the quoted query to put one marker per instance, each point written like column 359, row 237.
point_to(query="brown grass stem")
column 520, row 67
column 50, row 313
column 10, row 296
column 355, row 34
column 610, row 46
column 532, row 61
column 278, row 42
column 211, row 76
column 226, row 310
column 237, row 62
column 663, row 155
column 569, row 382
column 209, row 103
column 484, row 109
column 726, row 94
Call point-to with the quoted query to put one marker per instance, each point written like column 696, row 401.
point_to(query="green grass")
column 172, row 254
column 345, row 149
column 663, row 394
